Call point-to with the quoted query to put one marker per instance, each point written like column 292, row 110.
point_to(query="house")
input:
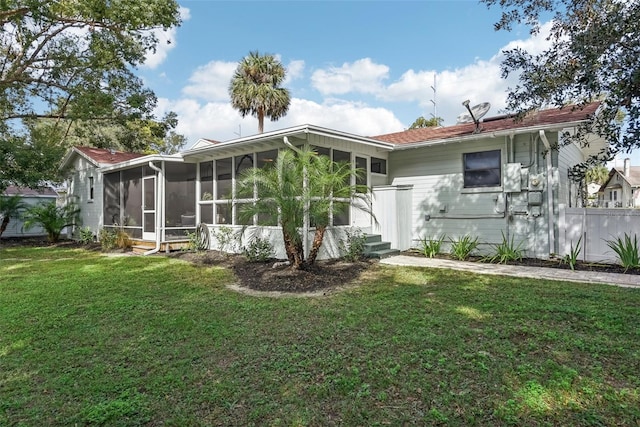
column 488, row 179
column 622, row 188
column 30, row 197
column 85, row 183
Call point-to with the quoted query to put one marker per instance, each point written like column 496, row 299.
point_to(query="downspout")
column 545, row 141
column 305, row 216
column 160, row 179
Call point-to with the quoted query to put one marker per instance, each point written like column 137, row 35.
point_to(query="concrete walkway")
column 623, row 280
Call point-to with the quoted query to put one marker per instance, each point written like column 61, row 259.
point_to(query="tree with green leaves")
column 593, row 56
column 71, row 61
column 10, row 207
column 52, row 218
column 255, row 88
column 597, row 174
column 301, row 186
column 422, row 122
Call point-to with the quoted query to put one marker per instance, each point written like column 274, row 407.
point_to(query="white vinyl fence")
column 596, row 226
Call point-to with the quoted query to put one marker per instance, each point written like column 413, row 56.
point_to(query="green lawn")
column 92, row 340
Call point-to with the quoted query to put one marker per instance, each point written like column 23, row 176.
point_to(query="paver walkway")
column 623, row 280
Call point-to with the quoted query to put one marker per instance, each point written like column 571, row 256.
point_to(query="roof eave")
column 139, row 161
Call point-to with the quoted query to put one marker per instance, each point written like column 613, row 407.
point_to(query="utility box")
column 512, row 178
column 535, row 198
column 536, row 182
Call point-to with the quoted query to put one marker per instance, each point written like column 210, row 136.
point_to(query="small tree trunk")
column 5, row 223
column 260, row 121
column 294, row 252
column 318, row 237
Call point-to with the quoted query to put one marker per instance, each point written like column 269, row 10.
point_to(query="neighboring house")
column 497, row 177
column 622, row 188
column 85, row 180
column 29, row 197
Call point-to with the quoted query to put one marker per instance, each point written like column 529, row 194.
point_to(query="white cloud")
column 295, row 70
column 219, row 121
column 211, row 81
column 363, row 76
column 166, row 42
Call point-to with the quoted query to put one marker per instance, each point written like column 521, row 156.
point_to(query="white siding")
column 14, row 229
column 441, row 206
column 90, row 210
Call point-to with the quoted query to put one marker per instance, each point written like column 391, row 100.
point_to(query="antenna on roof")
column 239, row 133
column 475, row 114
column 433, row 101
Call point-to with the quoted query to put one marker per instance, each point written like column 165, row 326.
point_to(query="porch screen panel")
column 223, row 178
column 180, row 194
column 111, row 198
column 242, row 163
column 206, row 181
column 361, row 166
column 341, row 213
column 132, row 197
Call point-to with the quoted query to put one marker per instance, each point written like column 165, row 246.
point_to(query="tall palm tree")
column 10, row 207
column 255, row 88
column 302, row 184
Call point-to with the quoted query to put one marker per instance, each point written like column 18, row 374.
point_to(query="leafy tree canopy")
column 71, row 60
column 255, row 88
column 422, row 122
column 593, row 55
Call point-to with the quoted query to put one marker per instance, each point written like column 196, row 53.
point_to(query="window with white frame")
column 482, row 169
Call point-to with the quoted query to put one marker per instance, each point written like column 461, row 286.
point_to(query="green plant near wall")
column 352, row 246
column 627, row 250
column 506, row 251
column 430, row 247
column 462, row 248
column 51, row 217
column 572, row 257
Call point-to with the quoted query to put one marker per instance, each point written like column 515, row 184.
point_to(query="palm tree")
column 597, row 174
column 10, row 207
column 302, row 184
column 255, row 88
column 52, row 218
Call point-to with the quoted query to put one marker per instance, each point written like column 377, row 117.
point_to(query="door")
column 149, row 208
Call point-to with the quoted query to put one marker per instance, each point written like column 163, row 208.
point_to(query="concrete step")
column 376, row 246
column 385, row 253
column 372, row 238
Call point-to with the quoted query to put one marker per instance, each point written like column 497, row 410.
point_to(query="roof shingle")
column 105, row 156
column 544, row 117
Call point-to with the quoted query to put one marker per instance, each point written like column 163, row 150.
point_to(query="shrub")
column 627, row 250
column 353, row 245
column 258, row 250
column 461, row 248
column 51, row 217
column 114, row 238
column 225, row 238
column 86, row 236
column 431, row 247
column 107, row 239
column 572, row 257
column 506, row 251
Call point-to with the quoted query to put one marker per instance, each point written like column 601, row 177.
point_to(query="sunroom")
column 219, row 165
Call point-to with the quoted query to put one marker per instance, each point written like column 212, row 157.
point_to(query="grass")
column 91, row 340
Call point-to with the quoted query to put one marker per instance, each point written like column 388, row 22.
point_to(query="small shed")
column 30, row 196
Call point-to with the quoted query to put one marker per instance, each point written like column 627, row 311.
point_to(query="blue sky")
column 365, row 67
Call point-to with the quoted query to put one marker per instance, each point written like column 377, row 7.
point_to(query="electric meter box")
column 535, row 198
column 512, row 178
column 536, row 182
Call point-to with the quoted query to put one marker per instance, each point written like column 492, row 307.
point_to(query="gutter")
column 160, row 179
column 545, row 141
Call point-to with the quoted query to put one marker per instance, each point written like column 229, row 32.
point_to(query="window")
column 361, row 166
column 378, row 166
column 482, row 169
column 91, row 189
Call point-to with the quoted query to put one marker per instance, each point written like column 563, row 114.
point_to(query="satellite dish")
column 475, row 113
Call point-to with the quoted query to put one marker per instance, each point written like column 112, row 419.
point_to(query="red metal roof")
column 553, row 116
column 106, row 156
